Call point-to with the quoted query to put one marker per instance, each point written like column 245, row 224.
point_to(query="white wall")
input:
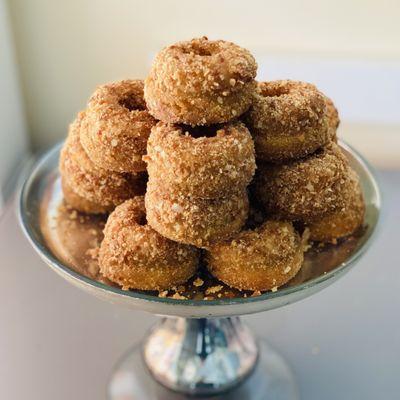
column 65, row 48
column 13, row 132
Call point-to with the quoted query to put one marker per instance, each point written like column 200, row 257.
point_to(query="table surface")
column 57, row 342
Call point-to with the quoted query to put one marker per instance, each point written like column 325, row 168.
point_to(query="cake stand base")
column 164, row 367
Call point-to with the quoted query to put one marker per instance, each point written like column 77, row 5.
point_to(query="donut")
column 116, row 127
column 195, row 221
column 260, row 259
column 304, row 189
column 201, row 162
column 200, row 82
column 288, row 120
column 346, row 220
column 81, row 204
column 97, row 185
column 135, row 256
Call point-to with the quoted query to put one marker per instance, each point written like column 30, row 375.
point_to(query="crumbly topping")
column 206, row 167
column 304, row 189
column 133, row 255
column 258, row 259
column 116, row 126
column 290, row 119
column 200, row 82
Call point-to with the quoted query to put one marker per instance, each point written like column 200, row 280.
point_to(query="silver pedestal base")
column 215, row 357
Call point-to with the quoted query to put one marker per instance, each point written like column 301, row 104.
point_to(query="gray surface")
column 343, row 343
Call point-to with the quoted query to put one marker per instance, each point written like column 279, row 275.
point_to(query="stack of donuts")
column 173, row 159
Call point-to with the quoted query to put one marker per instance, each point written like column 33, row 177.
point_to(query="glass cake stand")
column 199, row 347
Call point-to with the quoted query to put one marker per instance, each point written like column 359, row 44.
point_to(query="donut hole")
column 142, row 220
column 132, row 103
column 201, row 131
column 198, row 50
column 200, row 47
column 274, row 91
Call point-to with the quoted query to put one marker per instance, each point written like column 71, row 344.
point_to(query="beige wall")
column 65, row 48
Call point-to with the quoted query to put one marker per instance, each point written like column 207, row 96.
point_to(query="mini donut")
column 213, row 165
column 346, row 220
column 116, row 127
column 260, row 259
column 135, row 256
column 81, row 204
column 288, row 120
column 195, row 221
column 90, row 182
column 304, row 189
column 200, row 82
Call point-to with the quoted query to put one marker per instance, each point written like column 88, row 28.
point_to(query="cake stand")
column 199, row 347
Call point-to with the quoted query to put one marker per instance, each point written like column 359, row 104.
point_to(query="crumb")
column 214, row 289
column 198, row 282
column 178, row 296
column 274, row 289
column 163, row 294
column 256, row 293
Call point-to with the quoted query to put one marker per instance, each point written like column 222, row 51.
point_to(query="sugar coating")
column 93, row 183
column 346, row 219
column 206, row 167
column 117, row 124
column 260, row 259
column 81, row 204
column 135, row 256
column 200, row 82
column 289, row 120
column 195, row 221
column 304, row 189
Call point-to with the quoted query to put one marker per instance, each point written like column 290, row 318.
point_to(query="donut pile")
column 173, row 159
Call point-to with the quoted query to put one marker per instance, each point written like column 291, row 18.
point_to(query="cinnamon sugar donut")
column 215, row 164
column 135, row 256
column 304, row 189
column 200, row 82
column 260, row 259
column 195, row 221
column 344, row 221
column 96, row 185
column 288, row 120
column 81, row 204
column 116, row 127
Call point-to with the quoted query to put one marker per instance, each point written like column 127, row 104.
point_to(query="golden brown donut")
column 260, row 259
column 95, row 184
column 81, row 204
column 215, row 164
column 116, row 127
column 200, row 82
column 288, row 120
column 193, row 220
column 135, row 256
column 304, row 189
column 344, row 221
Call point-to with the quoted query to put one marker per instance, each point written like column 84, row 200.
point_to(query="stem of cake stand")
column 202, row 357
